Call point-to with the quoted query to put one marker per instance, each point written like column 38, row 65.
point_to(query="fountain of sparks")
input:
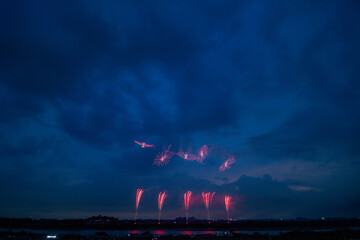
column 161, row 199
column 139, row 192
column 187, row 196
column 227, row 205
column 207, row 198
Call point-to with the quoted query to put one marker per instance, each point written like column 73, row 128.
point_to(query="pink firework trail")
column 139, row 192
column 143, row 144
column 187, row 196
column 187, row 156
column 203, row 153
column 207, row 198
column 227, row 164
column 161, row 200
column 227, row 205
column 163, row 158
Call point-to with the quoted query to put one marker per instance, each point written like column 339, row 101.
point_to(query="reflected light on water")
column 159, row 232
column 186, row 233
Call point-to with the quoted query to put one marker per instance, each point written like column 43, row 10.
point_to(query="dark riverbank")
column 294, row 235
column 110, row 223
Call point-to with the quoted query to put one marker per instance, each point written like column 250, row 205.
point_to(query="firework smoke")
column 227, row 164
column 207, row 198
column 161, row 200
column 139, row 192
column 143, row 144
column 203, row 153
column 227, row 205
column 187, row 196
column 187, row 156
column 163, row 158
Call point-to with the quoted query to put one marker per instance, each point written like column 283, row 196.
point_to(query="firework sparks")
column 163, row 158
column 203, row 153
column 161, row 200
column 143, row 144
column 227, row 205
column 139, row 192
column 207, row 198
column 187, row 196
column 227, row 164
column 187, row 156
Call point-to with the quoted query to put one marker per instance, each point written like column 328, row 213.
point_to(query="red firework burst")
column 143, row 144
column 227, row 164
column 187, row 156
column 203, row 153
column 163, row 158
column 187, row 196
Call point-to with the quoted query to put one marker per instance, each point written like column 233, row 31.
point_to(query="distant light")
column 322, row 218
column 51, row 236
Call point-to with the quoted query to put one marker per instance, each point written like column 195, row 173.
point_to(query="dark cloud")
column 316, row 135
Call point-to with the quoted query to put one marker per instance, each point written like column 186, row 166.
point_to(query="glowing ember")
column 227, row 164
column 207, row 198
column 202, row 153
column 187, row 196
column 163, row 158
column 139, row 192
column 161, row 200
column 187, row 156
column 143, row 144
column 227, row 205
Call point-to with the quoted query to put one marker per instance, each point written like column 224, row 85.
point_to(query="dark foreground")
column 111, row 223
column 103, row 228
column 345, row 234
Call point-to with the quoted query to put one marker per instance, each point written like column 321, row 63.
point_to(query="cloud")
column 302, row 188
column 275, row 85
column 316, row 135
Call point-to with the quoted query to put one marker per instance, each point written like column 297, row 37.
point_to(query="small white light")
column 51, row 236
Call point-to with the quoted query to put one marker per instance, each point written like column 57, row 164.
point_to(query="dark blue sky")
column 273, row 83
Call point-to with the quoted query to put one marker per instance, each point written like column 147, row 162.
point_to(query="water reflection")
column 159, row 232
column 186, row 233
column 134, row 232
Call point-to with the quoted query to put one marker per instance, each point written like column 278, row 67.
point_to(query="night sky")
column 275, row 84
